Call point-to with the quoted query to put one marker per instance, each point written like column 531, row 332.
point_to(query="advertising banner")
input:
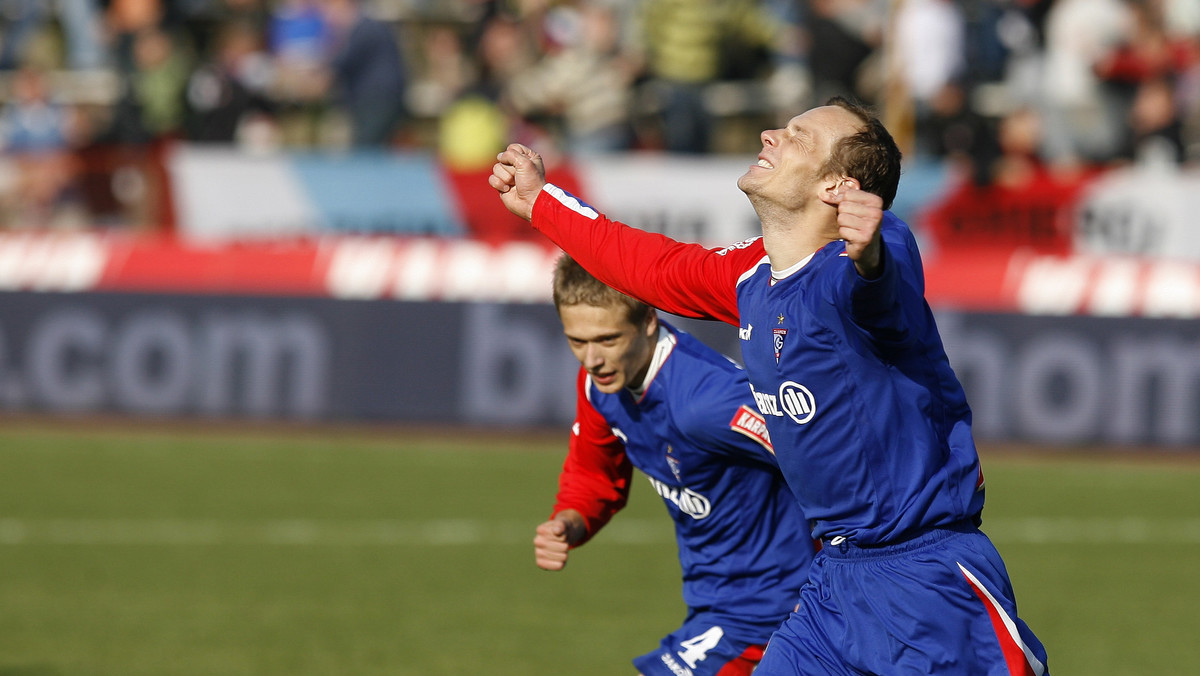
column 1061, row 380
column 226, row 195
column 684, row 198
column 1145, row 211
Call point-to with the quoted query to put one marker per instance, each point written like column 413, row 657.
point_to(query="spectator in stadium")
column 584, row 81
column 227, row 94
column 1084, row 118
column 445, row 70
column 1141, row 72
column 81, row 26
column 124, row 20
column 929, row 48
column 159, row 80
column 653, row 397
column 39, row 171
column 298, row 41
column 868, row 420
column 1155, row 125
column 368, row 75
column 844, row 40
column 475, row 125
column 688, row 45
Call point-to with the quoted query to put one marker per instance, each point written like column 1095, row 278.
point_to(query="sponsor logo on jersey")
column 779, row 334
column 767, row 405
column 675, row 667
column 739, row 245
column 752, row 424
column 687, row 500
column 797, row 402
column 744, row 334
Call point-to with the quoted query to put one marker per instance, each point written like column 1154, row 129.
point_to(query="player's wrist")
column 574, row 526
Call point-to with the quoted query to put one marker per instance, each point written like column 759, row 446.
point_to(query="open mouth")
column 604, row 379
column 764, row 163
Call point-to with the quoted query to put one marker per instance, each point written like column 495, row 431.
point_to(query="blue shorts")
column 940, row 603
column 707, row 643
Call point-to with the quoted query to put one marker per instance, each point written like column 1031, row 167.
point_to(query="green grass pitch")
column 161, row 551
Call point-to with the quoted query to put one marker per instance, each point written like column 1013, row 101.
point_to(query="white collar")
column 662, row 350
column 778, row 275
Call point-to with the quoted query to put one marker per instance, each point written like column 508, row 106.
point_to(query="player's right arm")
column 592, row 487
column 681, row 278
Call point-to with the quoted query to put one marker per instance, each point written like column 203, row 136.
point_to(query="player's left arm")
column 884, row 291
column 860, row 220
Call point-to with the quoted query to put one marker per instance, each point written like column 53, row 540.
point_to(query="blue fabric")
column 743, row 544
column 378, row 192
column 705, row 643
column 907, row 608
column 871, row 426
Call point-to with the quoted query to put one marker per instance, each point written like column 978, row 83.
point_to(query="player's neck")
column 787, row 242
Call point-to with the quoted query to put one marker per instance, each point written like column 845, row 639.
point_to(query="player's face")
column 613, row 350
column 788, row 169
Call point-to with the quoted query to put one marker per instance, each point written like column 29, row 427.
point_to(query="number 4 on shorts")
column 696, row 648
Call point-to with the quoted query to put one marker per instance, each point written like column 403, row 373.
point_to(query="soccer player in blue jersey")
column 870, row 425
column 652, row 397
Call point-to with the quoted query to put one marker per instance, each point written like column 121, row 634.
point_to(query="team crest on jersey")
column 779, row 334
column 673, row 463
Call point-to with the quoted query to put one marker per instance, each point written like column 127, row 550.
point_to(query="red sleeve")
column 680, row 278
column 596, row 474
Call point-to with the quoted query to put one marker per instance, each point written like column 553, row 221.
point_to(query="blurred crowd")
column 94, row 92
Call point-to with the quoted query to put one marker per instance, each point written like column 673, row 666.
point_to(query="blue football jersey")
column 871, row 425
column 694, row 432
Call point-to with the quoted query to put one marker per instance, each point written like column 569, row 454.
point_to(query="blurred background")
column 278, row 208
column 282, row 390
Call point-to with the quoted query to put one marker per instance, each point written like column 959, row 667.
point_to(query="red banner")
column 1035, row 215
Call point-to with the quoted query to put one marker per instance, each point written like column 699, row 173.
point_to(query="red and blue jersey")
column 694, row 432
column 870, row 425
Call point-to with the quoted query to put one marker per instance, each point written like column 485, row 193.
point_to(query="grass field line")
column 466, row 531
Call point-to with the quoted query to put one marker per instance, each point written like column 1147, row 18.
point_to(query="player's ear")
column 836, row 185
column 651, row 322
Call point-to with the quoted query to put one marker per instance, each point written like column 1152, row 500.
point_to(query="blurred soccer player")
column 652, row 397
column 870, row 424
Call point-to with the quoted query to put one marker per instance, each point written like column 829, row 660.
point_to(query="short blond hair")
column 573, row 285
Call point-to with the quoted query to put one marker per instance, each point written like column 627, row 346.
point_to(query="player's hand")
column 518, row 176
column 860, row 214
column 550, row 545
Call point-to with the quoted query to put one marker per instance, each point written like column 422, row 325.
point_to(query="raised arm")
column 860, row 216
column 890, row 306
column 518, row 176
column 681, row 278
